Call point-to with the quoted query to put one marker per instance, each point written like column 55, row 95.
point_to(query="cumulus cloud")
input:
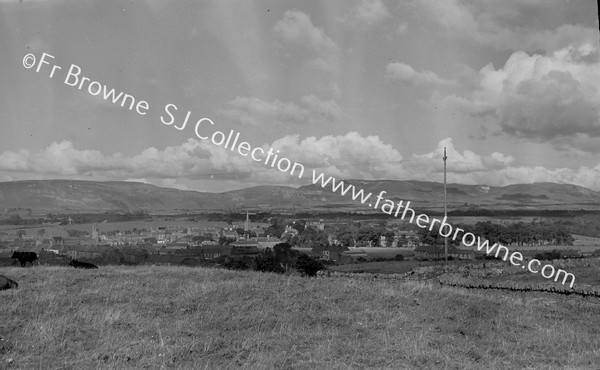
column 543, row 98
column 402, row 29
column 349, row 155
column 297, row 28
column 327, row 110
column 63, row 159
column 354, row 156
column 407, row 74
column 345, row 156
column 14, row 161
column 465, row 162
column 369, row 12
column 507, row 26
column 201, row 165
column 300, row 37
column 257, row 112
column 465, row 167
column 495, row 169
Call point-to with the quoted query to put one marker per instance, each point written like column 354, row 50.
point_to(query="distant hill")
column 60, row 195
column 95, row 196
column 523, row 196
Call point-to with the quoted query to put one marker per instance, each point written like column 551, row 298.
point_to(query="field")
column 195, row 318
column 377, row 252
column 121, row 226
column 394, row 267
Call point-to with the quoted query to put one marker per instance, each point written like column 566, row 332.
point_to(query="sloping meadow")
column 195, row 318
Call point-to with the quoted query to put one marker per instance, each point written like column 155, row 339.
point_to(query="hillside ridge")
column 101, row 196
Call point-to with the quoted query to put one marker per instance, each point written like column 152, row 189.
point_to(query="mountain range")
column 97, row 196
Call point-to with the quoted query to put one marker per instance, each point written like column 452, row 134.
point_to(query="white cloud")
column 201, row 165
column 402, row 29
column 369, row 12
column 327, row 110
column 407, row 74
column 304, row 40
column 297, row 28
column 428, row 166
column 62, row 159
column 496, row 169
column 173, row 183
column 345, row 156
column 349, row 155
column 14, row 161
column 507, row 26
column 257, row 112
column 539, row 97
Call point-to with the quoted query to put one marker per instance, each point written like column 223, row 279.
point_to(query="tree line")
column 281, row 259
column 515, row 234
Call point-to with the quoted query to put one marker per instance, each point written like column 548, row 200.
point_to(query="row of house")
column 195, row 255
column 343, row 255
column 432, row 252
column 261, row 243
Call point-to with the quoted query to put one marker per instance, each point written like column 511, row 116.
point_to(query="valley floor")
column 195, row 318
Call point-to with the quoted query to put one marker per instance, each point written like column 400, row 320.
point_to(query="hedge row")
column 361, row 275
column 458, row 280
column 574, row 262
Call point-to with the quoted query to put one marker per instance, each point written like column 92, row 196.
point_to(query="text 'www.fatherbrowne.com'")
column 403, row 210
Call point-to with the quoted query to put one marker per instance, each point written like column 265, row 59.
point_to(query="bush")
column 308, row 266
column 552, row 255
column 489, row 257
column 265, row 262
column 399, row 257
column 236, row 263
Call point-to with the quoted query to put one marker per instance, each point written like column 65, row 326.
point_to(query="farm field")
column 583, row 275
column 377, row 252
column 122, row 226
column 584, row 244
column 195, row 318
column 472, row 220
column 586, row 241
column 394, row 267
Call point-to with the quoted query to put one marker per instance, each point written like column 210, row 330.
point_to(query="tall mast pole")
column 445, row 207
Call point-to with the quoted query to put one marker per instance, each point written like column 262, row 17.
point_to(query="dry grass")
column 194, row 318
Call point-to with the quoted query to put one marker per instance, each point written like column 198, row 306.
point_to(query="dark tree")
column 265, row 262
column 276, row 229
column 284, row 255
column 369, row 236
column 310, row 238
column 307, row 265
column 551, row 255
column 300, row 226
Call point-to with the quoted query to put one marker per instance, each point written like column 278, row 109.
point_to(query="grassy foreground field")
column 195, row 318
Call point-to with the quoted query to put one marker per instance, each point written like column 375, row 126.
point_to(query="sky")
column 355, row 89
